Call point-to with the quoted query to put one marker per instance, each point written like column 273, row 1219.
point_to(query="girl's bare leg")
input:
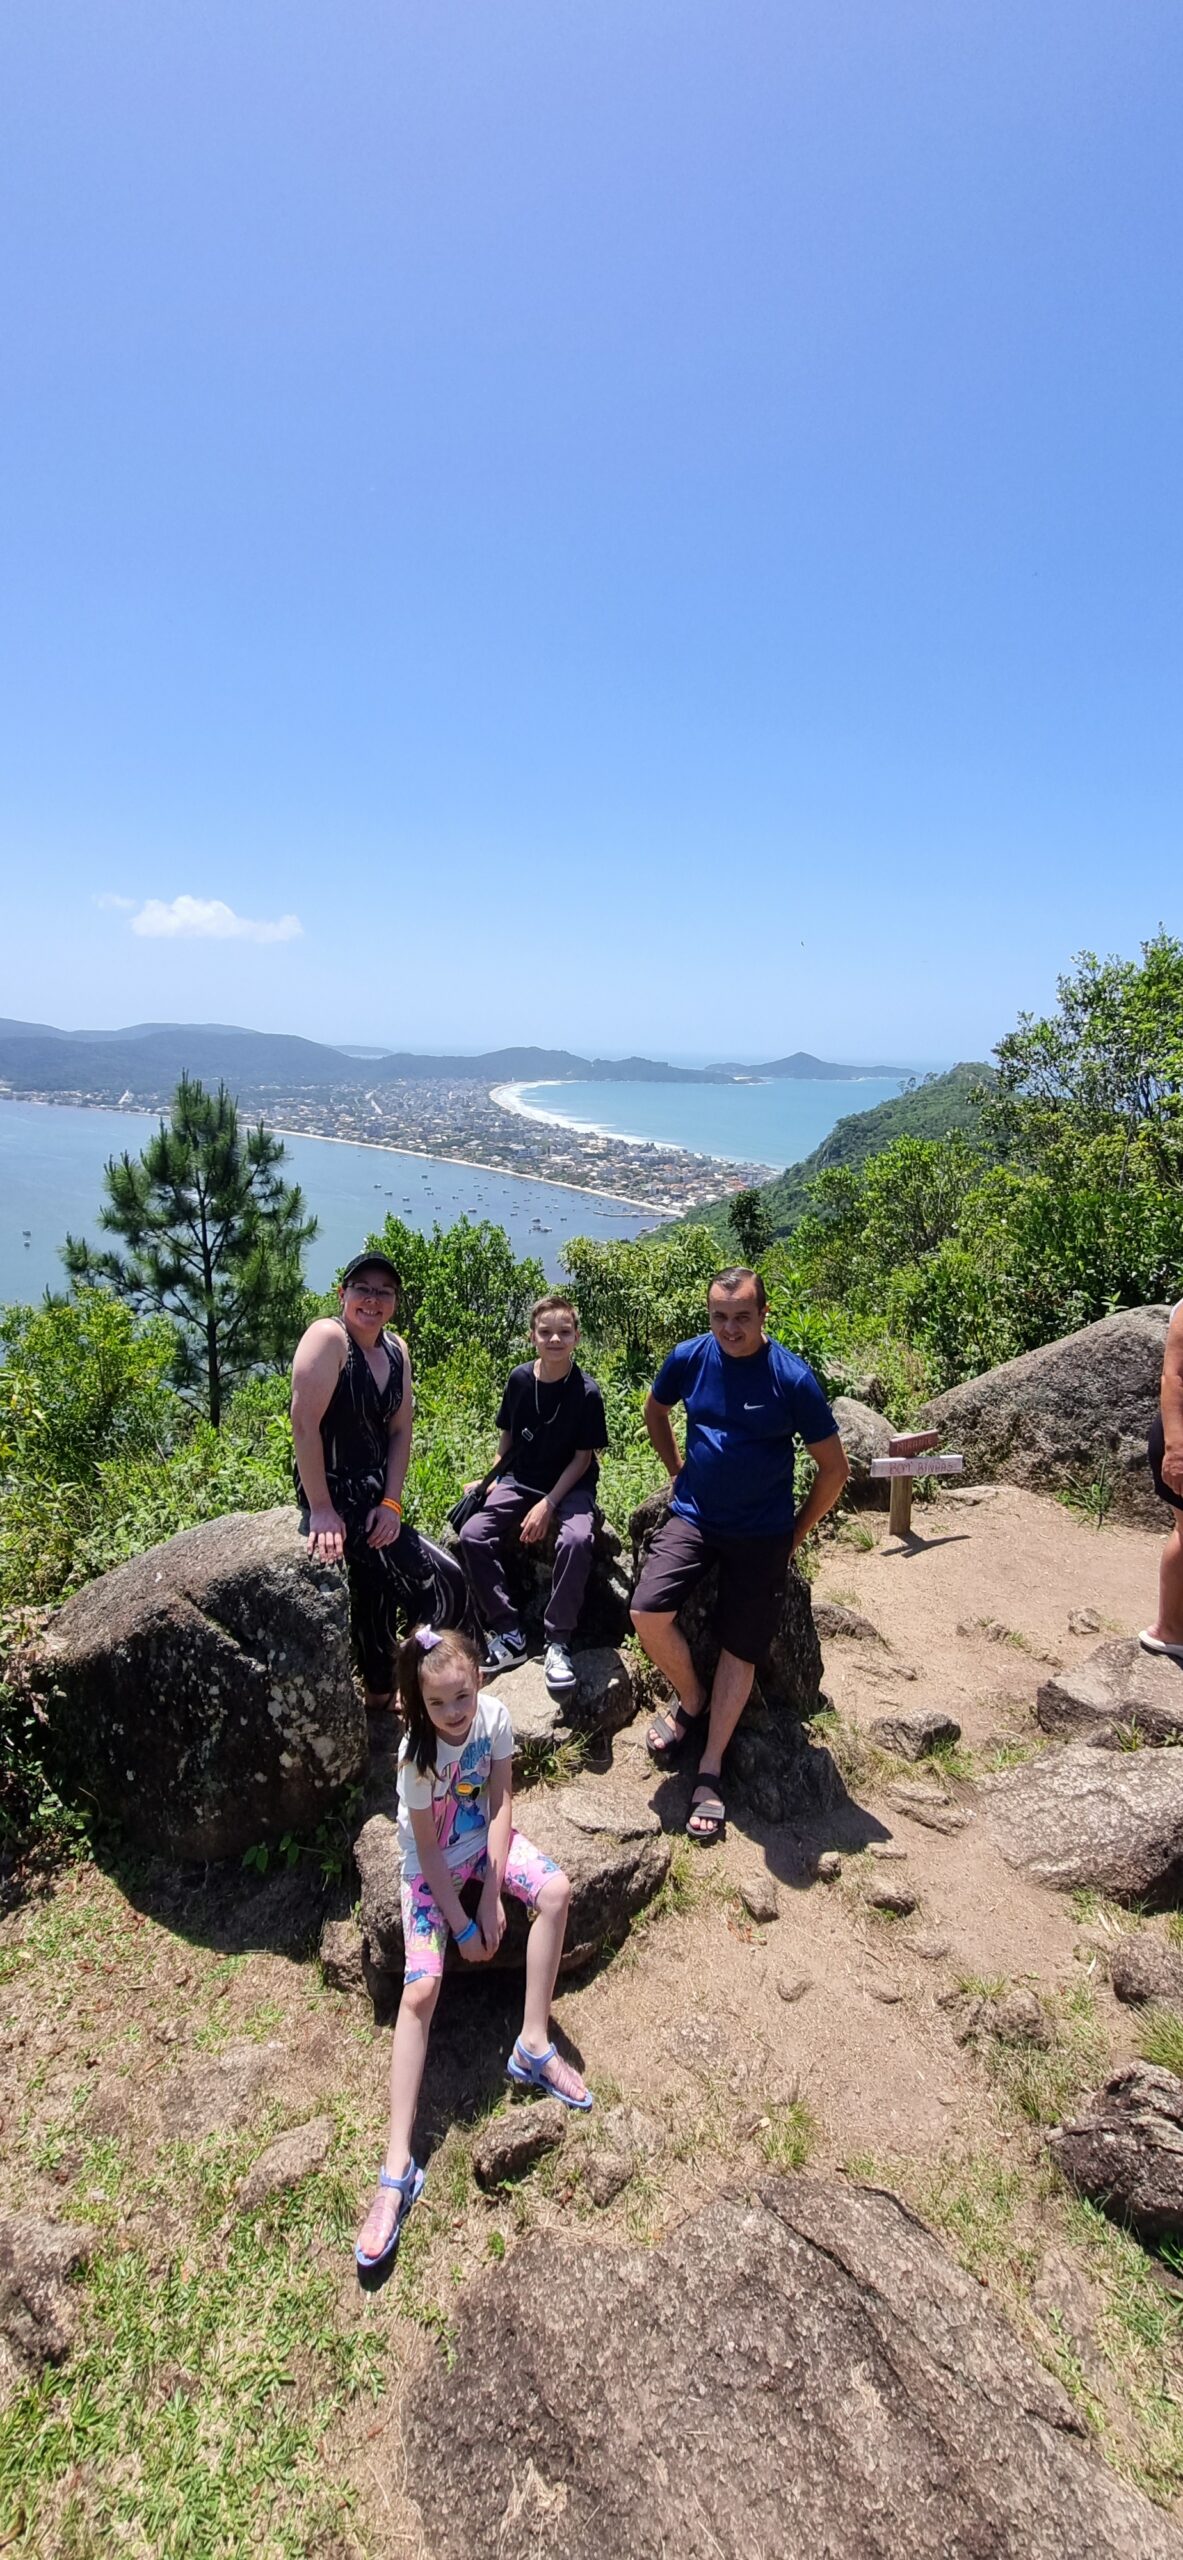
column 544, row 1947
column 408, row 2053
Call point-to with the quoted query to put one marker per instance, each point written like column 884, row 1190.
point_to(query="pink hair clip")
column 426, row 1638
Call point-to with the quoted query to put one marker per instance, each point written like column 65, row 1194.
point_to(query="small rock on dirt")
column 887, row 1992
column 1144, row 1969
column 1015, row 2017
column 829, row 1866
column 927, row 1944
column 898, row 1899
column 933, row 1807
column 759, row 1896
column 1126, row 2150
column 793, row 1986
column 606, row 2173
column 1085, row 1622
column 625, row 2128
column 837, row 1624
column 885, row 1850
column 512, row 2144
column 291, row 2157
column 912, row 1737
column 37, row 2314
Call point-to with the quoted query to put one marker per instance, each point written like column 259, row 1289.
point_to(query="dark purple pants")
column 487, row 1538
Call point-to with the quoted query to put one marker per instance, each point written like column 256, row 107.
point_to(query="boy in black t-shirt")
column 551, row 1421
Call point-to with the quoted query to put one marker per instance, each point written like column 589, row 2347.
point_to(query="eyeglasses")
column 374, row 1297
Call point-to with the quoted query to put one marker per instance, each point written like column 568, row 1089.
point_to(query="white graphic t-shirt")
column 457, row 1790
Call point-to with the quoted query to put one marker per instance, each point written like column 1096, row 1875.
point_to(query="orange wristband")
column 388, row 1503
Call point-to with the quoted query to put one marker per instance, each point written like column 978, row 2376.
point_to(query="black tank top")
column 355, row 1425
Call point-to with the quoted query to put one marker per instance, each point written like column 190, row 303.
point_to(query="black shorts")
column 1154, row 1451
column 752, row 1577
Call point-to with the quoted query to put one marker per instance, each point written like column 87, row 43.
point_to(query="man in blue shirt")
column 747, row 1401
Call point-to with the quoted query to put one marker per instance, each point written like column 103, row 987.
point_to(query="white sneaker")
column 503, row 1651
column 558, row 1670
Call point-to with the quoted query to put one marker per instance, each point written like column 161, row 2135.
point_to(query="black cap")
column 371, row 1262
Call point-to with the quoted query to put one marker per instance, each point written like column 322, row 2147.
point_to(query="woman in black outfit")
column 351, row 1424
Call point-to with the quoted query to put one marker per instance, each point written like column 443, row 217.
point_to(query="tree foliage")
column 462, row 1286
column 1094, row 1091
column 213, row 1239
column 645, row 1294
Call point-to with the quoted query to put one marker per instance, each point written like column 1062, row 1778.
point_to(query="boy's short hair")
column 734, row 1279
column 550, row 1305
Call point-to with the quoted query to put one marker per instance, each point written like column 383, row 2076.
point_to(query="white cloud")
column 108, row 898
column 209, row 920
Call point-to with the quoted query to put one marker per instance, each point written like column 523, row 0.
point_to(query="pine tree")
column 214, row 1240
column 750, row 1224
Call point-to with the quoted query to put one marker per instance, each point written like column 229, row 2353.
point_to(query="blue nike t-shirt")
column 742, row 1418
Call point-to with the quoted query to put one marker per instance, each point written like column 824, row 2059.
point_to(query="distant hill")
column 931, row 1110
column 147, row 1059
column 809, row 1069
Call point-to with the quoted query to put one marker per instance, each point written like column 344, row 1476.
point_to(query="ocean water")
column 773, row 1124
column 51, row 1180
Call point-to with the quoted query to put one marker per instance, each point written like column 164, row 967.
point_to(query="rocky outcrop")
column 836, row 1623
column 864, row 1434
column 606, row 1838
column 802, row 2371
column 1119, row 1686
column 1071, row 1413
column 1126, row 2151
column 601, row 1701
column 37, row 2311
column 202, row 1695
column 1111, row 1819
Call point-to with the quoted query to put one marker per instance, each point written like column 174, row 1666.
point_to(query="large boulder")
column 802, row 2371
column 1075, row 1412
column 864, row 1434
column 603, row 1618
column 1110, row 1819
column 604, row 1835
column 1125, row 2152
column 202, row 1695
column 1118, row 1688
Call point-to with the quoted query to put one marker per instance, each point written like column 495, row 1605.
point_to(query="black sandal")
column 668, row 1748
column 710, row 1814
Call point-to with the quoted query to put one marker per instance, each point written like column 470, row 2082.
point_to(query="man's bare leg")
column 667, row 1648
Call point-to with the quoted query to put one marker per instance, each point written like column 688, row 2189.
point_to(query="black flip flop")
column 712, row 1793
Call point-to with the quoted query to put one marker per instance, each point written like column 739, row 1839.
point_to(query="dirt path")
column 831, row 2031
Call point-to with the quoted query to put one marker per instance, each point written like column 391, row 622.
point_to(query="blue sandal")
column 529, row 2070
column 408, row 2188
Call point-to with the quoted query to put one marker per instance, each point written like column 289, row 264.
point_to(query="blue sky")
column 635, row 524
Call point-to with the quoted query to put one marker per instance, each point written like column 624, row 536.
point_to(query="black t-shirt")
column 548, row 1419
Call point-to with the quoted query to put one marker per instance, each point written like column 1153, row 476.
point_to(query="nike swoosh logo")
column 753, row 1408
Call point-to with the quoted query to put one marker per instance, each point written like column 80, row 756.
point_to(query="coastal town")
column 463, row 1121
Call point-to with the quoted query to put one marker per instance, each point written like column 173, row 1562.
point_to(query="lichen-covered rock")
column 1125, row 2151
column 606, row 1838
column 817, row 2375
column 1071, row 1413
column 1117, row 1687
column 202, row 1695
column 913, row 1737
column 864, row 1434
column 1110, row 1819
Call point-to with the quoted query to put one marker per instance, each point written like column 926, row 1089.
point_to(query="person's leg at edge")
column 408, row 2053
column 484, row 1541
column 373, row 1631
column 1168, row 1626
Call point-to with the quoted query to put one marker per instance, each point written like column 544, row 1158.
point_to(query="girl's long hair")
column 452, row 1649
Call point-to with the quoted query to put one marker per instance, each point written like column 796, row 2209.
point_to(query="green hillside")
column 931, row 1110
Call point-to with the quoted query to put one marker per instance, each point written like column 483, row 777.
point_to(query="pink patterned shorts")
column 425, row 1930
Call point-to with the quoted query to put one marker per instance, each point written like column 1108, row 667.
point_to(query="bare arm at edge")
column 319, row 1360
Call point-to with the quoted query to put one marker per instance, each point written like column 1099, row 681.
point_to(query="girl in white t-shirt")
column 455, row 1820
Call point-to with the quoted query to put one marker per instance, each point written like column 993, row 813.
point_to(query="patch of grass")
column 854, row 1757
column 788, row 2136
column 1041, row 2083
column 1091, row 1500
column 1174, row 1928
column 1097, row 1911
column 855, row 1533
column 949, row 1760
column 552, row 1763
column 192, row 2414
column 976, row 2203
column 1009, row 1755
column 1140, row 2336
column 1160, row 2039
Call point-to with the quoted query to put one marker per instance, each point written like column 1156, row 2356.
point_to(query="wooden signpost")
column 908, row 1457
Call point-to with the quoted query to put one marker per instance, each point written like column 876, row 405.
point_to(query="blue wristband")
column 462, row 1936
